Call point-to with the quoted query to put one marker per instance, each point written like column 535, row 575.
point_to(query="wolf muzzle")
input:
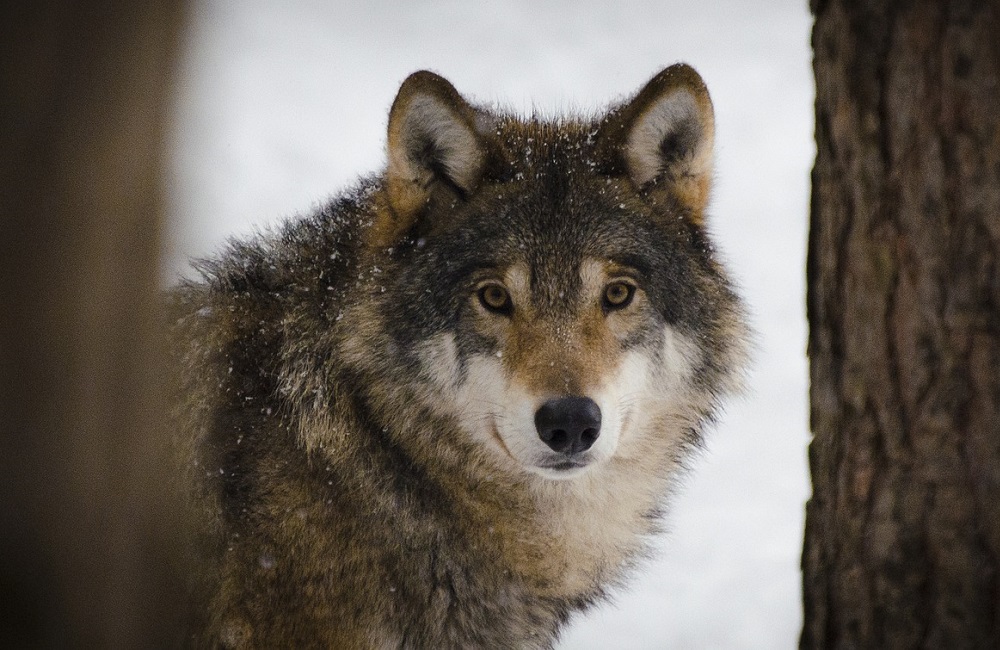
column 569, row 425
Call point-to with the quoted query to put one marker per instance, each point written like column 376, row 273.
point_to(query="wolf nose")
column 569, row 424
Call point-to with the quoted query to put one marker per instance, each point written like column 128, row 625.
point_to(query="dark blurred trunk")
column 902, row 546
column 88, row 532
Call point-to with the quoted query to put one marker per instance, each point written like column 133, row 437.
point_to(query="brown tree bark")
column 88, row 532
column 902, row 546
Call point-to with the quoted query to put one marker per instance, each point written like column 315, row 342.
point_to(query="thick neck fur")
column 566, row 540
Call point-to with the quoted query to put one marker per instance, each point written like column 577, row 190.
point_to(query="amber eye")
column 495, row 298
column 618, row 295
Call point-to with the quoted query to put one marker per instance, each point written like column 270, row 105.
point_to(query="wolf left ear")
column 663, row 138
column 435, row 151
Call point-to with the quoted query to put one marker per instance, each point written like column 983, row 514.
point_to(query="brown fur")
column 333, row 375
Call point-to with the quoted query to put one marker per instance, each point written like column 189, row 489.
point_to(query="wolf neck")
column 565, row 539
column 601, row 520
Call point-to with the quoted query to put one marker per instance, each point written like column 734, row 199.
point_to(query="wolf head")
column 548, row 287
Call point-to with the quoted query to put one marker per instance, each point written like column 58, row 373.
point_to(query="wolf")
column 446, row 409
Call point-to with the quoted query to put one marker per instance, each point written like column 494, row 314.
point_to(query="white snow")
column 282, row 104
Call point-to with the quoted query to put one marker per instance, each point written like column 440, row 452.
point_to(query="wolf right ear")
column 663, row 139
column 435, row 151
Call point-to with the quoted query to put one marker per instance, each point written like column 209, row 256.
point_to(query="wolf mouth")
column 566, row 465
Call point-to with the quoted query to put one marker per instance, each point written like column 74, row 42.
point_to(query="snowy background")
column 283, row 103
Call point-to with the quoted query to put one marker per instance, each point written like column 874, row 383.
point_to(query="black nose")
column 569, row 424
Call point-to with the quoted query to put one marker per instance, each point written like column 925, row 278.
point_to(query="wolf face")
column 548, row 286
column 550, row 358
column 554, row 385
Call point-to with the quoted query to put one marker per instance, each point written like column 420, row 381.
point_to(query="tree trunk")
column 88, row 532
column 902, row 545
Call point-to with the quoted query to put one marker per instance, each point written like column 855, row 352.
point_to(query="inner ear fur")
column 434, row 151
column 663, row 139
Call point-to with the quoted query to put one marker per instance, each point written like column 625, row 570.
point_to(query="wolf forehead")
column 553, row 248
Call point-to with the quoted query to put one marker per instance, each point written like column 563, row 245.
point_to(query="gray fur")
column 346, row 500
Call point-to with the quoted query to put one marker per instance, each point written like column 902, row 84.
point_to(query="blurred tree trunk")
column 88, row 532
column 902, row 546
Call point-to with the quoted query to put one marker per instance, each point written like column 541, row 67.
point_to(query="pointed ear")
column 434, row 149
column 663, row 139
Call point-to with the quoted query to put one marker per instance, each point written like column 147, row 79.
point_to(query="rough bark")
column 902, row 546
column 87, row 530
